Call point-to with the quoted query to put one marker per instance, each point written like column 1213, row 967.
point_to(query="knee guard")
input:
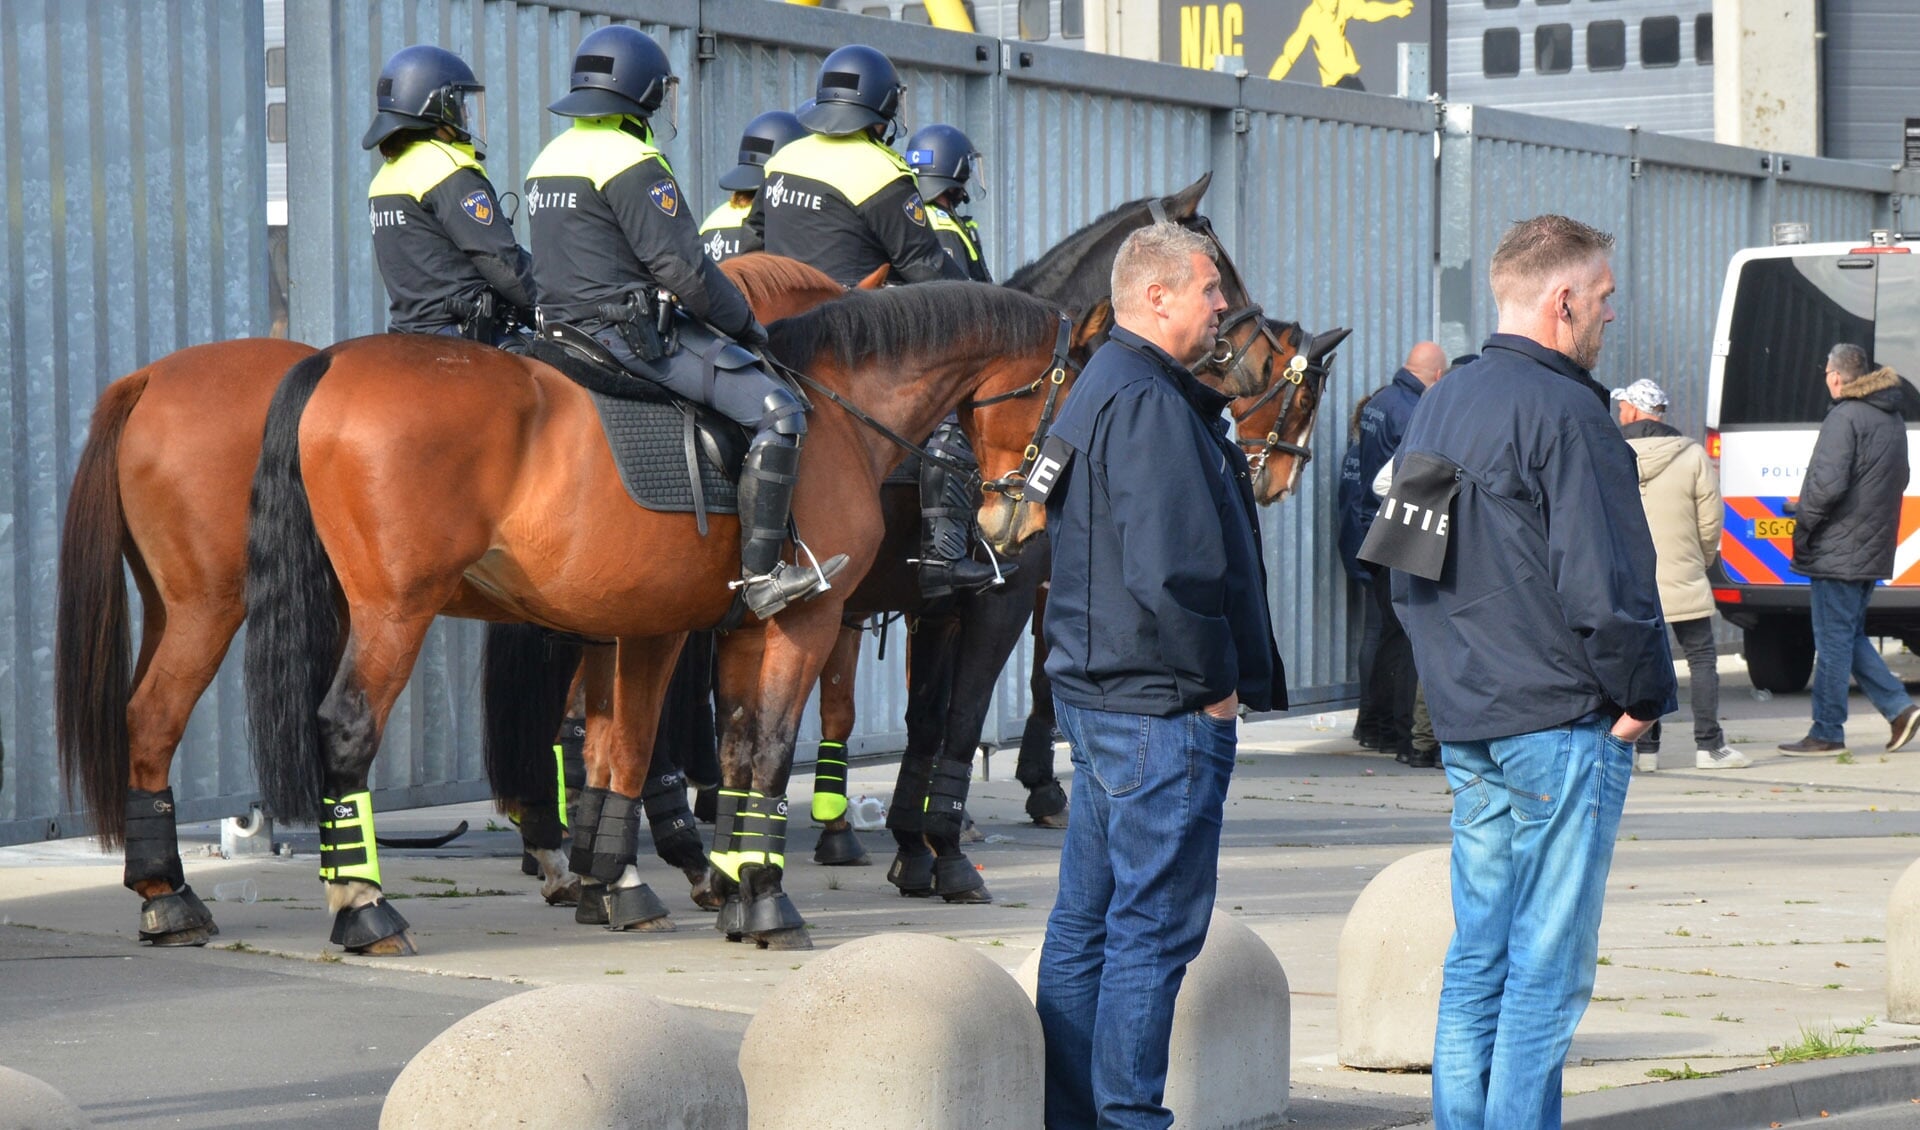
column 751, row 831
column 616, row 837
column 347, row 847
column 782, row 413
column 153, row 844
column 830, row 782
column 946, row 803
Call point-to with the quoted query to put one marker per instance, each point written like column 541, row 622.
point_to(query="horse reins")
column 1013, row 483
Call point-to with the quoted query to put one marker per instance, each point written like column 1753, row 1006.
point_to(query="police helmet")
column 762, row 137
column 858, row 88
column 424, row 87
column 620, row 70
column 943, row 159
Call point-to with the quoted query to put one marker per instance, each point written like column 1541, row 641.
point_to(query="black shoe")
column 938, row 578
column 1812, row 747
column 1423, row 759
column 1904, row 726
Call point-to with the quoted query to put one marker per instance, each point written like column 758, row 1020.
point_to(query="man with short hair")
column 1158, row 631
column 1543, row 655
column 1682, row 503
column 1845, row 532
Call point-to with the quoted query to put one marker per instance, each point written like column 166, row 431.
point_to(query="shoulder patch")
column 478, row 205
column 666, row 196
column 916, row 211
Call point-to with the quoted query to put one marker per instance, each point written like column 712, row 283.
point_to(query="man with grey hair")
column 1158, row 632
column 1536, row 629
column 1846, row 530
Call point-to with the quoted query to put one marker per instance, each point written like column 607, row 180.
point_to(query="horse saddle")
column 673, row 454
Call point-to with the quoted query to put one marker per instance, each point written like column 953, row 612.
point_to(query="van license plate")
column 1773, row 529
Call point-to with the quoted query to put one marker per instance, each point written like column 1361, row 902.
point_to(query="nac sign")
column 1346, row 43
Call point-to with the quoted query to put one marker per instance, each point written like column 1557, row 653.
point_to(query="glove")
column 752, row 334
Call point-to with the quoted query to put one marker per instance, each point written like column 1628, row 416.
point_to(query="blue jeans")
column 1136, row 890
column 1534, row 817
column 1840, row 647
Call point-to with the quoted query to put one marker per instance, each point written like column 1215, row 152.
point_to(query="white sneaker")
column 1726, row 757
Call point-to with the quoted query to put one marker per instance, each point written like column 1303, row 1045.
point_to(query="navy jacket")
column 1548, row 608
column 1158, row 598
column 1382, row 424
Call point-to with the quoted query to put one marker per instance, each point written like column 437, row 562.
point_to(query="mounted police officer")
column 944, row 162
column 614, row 231
column 726, row 230
column 445, row 250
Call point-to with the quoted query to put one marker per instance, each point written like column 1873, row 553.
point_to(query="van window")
column 1896, row 310
column 1787, row 313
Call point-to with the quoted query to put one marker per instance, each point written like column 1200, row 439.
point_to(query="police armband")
column 1048, row 466
column 1414, row 525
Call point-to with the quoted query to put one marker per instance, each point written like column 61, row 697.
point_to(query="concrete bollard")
column 1229, row 1059
column 27, row 1103
column 587, row 1057
column 1903, row 949
column 1392, row 952
column 896, row 1030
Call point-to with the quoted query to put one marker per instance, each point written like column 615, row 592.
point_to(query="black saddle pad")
column 647, row 429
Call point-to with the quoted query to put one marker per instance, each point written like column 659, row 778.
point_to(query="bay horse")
column 415, row 477
column 960, row 644
column 161, row 488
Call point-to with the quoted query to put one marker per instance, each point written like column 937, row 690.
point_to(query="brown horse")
column 162, row 486
column 422, row 477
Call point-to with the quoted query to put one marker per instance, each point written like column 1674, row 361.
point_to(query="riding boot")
column 947, row 506
column 766, row 493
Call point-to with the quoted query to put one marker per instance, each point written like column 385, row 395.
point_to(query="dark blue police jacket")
column 1547, row 608
column 1382, row 424
column 1158, row 602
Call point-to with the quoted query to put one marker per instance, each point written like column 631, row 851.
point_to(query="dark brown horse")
column 162, row 487
column 415, row 477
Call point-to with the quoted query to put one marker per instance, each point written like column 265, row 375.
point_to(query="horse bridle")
column 1054, row 380
column 1258, row 451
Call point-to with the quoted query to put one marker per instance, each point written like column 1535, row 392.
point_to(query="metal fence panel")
column 131, row 143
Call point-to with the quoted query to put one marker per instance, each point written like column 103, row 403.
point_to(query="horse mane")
column 763, row 277
column 908, row 323
column 1027, row 277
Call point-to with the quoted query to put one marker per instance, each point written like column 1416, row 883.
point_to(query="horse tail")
column 93, row 636
column 526, row 672
column 293, row 620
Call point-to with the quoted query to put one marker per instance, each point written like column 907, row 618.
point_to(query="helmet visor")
column 470, row 108
column 976, row 176
column 669, row 112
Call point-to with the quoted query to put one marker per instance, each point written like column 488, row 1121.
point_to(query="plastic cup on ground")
column 240, row 890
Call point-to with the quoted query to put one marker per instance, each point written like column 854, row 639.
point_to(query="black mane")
column 1032, row 277
column 909, row 323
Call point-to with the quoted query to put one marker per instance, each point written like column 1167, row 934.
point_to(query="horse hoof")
column 733, row 918
column 375, row 929
column 1047, row 805
column 912, row 874
column 955, row 880
column 637, row 909
column 591, row 907
column 702, row 892
column 566, row 894
column 791, row 939
column 840, row 847
column 177, row 919
column 972, row 835
column 773, row 913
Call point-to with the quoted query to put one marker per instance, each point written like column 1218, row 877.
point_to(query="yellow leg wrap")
column 560, row 781
column 750, row 827
column 347, row 847
column 725, row 824
column 830, row 782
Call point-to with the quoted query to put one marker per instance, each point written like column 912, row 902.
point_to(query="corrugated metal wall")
column 131, row 147
column 138, row 227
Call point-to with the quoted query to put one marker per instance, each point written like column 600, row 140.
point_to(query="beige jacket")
column 1681, row 495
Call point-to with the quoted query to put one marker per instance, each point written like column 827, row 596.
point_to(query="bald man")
column 1387, row 689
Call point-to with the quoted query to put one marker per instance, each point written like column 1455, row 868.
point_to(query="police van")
column 1782, row 308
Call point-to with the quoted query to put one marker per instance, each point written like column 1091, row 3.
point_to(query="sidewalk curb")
column 1751, row 1096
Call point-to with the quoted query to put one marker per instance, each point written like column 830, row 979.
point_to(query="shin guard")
column 153, row 846
column 616, row 837
column 347, row 848
column 585, row 819
column 946, row 804
column 830, row 782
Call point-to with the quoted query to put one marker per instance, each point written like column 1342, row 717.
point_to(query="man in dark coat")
column 1543, row 656
column 1386, row 712
column 1158, row 631
column 1844, row 536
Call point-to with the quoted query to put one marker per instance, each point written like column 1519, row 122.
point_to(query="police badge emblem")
column 666, row 197
column 916, row 211
column 478, row 205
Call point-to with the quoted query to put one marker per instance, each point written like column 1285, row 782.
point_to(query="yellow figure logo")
column 1325, row 24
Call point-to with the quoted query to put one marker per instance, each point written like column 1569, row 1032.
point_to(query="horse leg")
column 180, row 653
column 374, row 666
column 642, row 668
column 594, row 709
column 936, row 665
column 838, row 846
column 544, row 830
column 1046, row 799
column 676, row 835
column 738, row 658
column 929, row 690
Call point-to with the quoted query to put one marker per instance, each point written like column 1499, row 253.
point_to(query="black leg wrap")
column 177, row 919
column 540, row 828
column 706, row 803
column 907, row 813
column 955, row 880
column 357, row 927
column 616, row 838
column 912, row 872
column 153, row 847
column 631, row 906
column 840, row 847
column 1046, row 801
column 946, row 811
column 591, row 910
column 1035, row 765
column 676, row 836
column 580, row 859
